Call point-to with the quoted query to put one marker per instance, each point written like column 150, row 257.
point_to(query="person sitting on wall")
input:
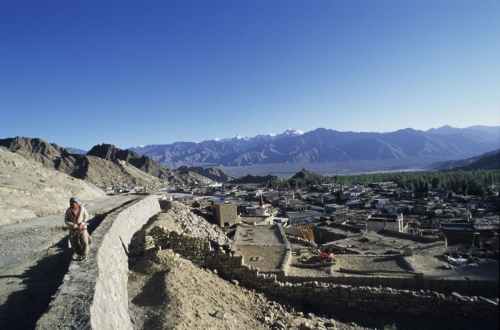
column 76, row 218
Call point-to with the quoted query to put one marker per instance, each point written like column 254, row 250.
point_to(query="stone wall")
column 94, row 293
column 328, row 295
column 288, row 257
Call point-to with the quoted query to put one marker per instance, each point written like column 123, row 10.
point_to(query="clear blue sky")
column 80, row 73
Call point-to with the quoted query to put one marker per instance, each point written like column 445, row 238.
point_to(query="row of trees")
column 479, row 183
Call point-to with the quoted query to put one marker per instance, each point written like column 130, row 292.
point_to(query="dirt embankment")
column 29, row 190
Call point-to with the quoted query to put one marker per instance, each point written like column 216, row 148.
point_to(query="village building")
column 377, row 222
column 335, row 208
column 225, row 214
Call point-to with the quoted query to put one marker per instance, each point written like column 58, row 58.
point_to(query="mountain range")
column 104, row 165
column 328, row 146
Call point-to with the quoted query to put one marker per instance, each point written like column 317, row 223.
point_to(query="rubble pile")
column 194, row 225
column 191, row 297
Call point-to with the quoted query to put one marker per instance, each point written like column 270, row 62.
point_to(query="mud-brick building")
column 225, row 214
column 395, row 222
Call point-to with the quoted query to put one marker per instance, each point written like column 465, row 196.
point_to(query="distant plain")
column 287, row 170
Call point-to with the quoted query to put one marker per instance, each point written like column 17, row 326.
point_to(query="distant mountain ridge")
column 212, row 173
column 477, row 129
column 461, row 163
column 325, row 145
column 208, row 152
column 487, row 162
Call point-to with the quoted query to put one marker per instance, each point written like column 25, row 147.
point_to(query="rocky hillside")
column 253, row 179
column 145, row 164
column 484, row 161
column 99, row 171
column 40, row 151
column 103, row 165
column 115, row 155
column 29, row 189
column 212, row 173
column 305, row 174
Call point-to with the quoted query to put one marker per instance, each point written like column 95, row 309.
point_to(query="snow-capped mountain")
column 263, row 138
column 322, row 146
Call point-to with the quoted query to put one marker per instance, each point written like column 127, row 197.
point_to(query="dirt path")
column 34, row 257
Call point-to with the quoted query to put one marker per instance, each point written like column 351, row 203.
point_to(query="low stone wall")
column 327, row 295
column 441, row 286
column 288, row 258
column 94, row 293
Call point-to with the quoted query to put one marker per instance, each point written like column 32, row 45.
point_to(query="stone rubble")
column 194, row 225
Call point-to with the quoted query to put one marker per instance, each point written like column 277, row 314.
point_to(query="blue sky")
column 80, row 73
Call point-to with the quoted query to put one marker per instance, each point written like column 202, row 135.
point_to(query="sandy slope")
column 28, row 190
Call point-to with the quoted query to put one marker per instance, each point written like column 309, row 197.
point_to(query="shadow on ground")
column 23, row 308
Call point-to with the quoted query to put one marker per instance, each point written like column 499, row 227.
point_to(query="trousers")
column 80, row 242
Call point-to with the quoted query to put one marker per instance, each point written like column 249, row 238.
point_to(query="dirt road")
column 34, row 257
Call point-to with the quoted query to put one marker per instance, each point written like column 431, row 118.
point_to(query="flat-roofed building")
column 376, row 222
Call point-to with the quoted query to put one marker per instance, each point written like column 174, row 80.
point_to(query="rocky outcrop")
column 212, row 173
column 115, row 155
column 49, row 154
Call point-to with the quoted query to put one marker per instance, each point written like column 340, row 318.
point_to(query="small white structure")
column 262, row 209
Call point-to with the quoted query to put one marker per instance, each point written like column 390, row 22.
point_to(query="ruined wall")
column 443, row 286
column 94, row 293
column 328, row 295
column 288, row 257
